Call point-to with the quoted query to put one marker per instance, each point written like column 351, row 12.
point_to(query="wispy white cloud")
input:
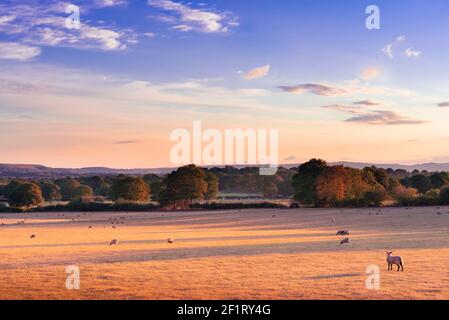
column 257, row 73
column 186, row 18
column 43, row 25
column 411, row 53
column 110, row 3
column 388, row 49
column 16, row 51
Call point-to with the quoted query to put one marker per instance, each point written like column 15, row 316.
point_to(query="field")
column 248, row 254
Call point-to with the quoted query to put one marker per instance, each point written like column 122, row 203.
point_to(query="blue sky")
column 143, row 68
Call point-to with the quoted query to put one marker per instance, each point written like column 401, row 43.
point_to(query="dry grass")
column 226, row 255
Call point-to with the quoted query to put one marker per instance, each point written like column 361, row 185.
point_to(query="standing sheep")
column 391, row 260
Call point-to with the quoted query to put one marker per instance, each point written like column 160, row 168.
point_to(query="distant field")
column 246, row 254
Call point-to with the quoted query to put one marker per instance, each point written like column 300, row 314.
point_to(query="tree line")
column 313, row 183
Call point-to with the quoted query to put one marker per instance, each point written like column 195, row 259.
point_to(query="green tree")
column 83, row 192
column 156, row 189
column 25, row 195
column 50, row 192
column 438, row 180
column 212, row 186
column 444, row 195
column 184, row 186
column 421, row 183
column 11, row 186
column 304, row 182
column 68, row 188
column 130, row 189
column 98, row 185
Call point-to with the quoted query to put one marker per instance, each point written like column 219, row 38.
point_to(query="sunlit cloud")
column 257, row 73
column 370, row 73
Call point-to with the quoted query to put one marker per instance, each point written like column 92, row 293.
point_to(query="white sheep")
column 113, row 242
column 394, row 260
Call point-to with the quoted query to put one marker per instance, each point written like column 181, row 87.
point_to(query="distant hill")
column 39, row 171
column 421, row 167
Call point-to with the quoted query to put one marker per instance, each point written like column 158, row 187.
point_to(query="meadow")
column 234, row 254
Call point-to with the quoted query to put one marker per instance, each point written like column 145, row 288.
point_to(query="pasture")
column 247, row 254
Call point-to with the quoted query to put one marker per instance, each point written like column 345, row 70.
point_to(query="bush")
column 444, row 195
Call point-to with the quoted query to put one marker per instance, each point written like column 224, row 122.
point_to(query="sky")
column 111, row 92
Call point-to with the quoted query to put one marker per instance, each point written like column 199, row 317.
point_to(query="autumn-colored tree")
column 130, row 189
column 330, row 186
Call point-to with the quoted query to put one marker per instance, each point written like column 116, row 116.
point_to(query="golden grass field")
column 234, row 254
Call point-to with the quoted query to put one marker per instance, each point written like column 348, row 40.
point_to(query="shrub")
column 444, row 195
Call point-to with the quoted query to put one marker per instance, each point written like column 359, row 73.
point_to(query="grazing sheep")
column 345, row 241
column 90, row 227
column 113, row 242
column 32, row 236
column 391, row 260
column 343, row 233
column 170, row 240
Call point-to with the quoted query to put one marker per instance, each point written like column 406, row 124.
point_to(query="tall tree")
column 184, row 186
column 130, row 189
column 304, row 182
